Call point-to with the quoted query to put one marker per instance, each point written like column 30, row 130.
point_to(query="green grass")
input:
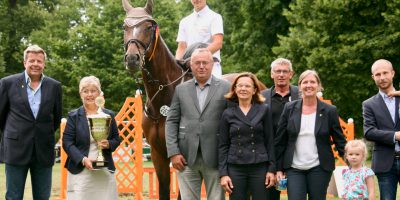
column 56, row 185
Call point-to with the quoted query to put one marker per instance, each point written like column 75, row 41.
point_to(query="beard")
column 384, row 85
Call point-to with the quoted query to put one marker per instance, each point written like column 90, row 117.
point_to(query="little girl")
column 358, row 179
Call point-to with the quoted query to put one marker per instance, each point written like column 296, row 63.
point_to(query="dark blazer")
column 24, row 135
column 326, row 126
column 379, row 128
column 76, row 140
column 245, row 139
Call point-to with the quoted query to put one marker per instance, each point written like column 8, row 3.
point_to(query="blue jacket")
column 76, row 140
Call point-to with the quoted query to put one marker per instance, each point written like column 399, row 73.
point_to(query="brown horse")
column 145, row 50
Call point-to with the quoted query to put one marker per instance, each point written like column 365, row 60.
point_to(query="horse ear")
column 149, row 7
column 127, row 6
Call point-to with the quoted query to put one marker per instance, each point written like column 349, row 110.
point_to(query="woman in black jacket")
column 246, row 150
column 306, row 130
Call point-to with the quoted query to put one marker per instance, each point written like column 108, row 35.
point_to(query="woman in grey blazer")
column 245, row 149
column 303, row 143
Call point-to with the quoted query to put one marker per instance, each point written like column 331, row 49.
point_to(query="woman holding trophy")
column 90, row 137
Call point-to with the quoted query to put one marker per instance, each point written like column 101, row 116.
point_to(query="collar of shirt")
column 202, row 12
column 273, row 93
column 207, row 83
column 386, row 97
column 28, row 81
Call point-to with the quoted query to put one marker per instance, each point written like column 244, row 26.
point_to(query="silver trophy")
column 99, row 125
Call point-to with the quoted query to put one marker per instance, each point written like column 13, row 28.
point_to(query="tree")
column 341, row 40
column 86, row 38
column 251, row 29
column 16, row 26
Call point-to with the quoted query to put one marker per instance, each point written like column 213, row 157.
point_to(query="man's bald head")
column 381, row 63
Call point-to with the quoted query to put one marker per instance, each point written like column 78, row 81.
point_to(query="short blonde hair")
column 315, row 74
column 90, row 80
column 359, row 144
column 34, row 49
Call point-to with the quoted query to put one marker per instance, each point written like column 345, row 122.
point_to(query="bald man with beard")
column 382, row 126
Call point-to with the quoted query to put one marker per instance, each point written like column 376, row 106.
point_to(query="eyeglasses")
column 244, row 86
column 204, row 63
column 86, row 91
column 284, row 72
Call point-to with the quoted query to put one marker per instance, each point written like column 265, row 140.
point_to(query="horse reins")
column 138, row 44
column 161, row 87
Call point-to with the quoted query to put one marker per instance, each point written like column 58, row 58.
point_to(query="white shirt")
column 200, row 27
column 306, row 153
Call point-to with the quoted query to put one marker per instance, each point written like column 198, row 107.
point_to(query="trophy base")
column 99, row 164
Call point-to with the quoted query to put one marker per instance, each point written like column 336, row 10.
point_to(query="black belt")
column 397, row 154
column 215, row 59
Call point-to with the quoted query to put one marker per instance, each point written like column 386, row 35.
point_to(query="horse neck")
column 164, row 69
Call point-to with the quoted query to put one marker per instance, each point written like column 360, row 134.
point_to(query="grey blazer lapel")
column 192, row 92
column 21, row 87
column 213, row 88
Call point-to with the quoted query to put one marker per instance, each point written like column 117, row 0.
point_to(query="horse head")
column 138, row 26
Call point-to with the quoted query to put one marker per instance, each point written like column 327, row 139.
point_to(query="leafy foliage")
column 251, row 29
column 341, row 41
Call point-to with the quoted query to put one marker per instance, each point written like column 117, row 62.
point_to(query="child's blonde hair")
column 359, row 144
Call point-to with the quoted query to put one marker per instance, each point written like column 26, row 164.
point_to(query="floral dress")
column 355, row 187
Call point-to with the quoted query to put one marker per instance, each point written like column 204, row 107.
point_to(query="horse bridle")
column 143, row 65
column 146, row 48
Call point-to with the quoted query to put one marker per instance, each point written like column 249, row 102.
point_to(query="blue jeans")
column 312, row 182
column 388, row 181
column 16, row 178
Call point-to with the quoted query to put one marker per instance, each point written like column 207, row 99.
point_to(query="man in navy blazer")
column 30, row 113
column 382, row 126
column 276, row 97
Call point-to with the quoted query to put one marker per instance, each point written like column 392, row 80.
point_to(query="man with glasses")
column 276, row 97
column 192, row 128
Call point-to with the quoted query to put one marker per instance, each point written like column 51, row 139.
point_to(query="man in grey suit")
column 276, row 97
column 192, row 128
column 30, row 113
column 382, row 126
